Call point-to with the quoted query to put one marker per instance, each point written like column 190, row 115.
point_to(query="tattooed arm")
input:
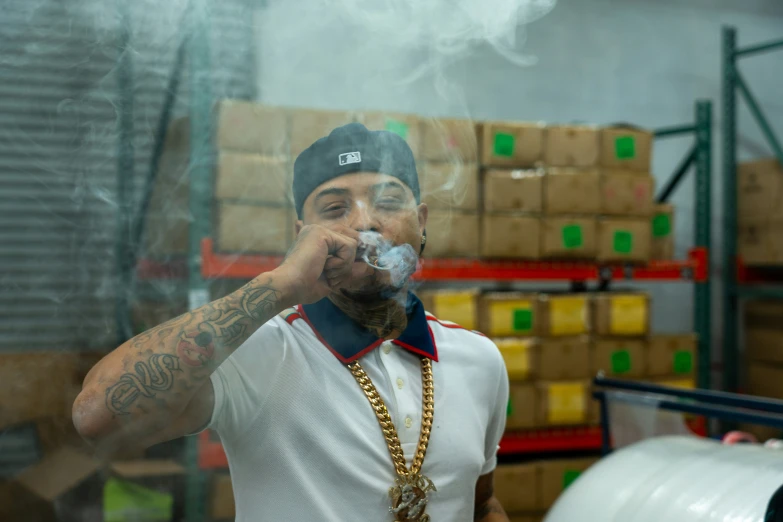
column 156, row 386
column 488, row 508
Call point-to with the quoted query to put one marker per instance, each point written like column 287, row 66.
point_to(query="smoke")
column 380, row 253
column 369, row 53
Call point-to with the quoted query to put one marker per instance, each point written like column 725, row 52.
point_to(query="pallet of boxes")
column 552, row 345
column 251, row 195
column 763, row 342
column 760, row 212
column 570, row 192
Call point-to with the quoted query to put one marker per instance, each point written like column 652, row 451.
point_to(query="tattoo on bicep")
column 154, row 375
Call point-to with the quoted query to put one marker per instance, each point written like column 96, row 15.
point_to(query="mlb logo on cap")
column 350, row 157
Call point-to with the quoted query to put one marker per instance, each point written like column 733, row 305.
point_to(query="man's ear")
column 423, row 212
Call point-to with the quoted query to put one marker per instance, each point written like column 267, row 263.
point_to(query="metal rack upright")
column 736, row 277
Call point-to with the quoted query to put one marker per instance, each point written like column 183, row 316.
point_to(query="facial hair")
column 383, row 312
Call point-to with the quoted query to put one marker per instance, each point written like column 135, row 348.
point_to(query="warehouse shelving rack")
column 203, row 263
column 740, row 281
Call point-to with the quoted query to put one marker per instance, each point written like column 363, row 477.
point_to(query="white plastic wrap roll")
column 675, row 479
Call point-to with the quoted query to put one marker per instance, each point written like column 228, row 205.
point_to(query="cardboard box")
column 509, row 314
column 452, row 234
column 759, row 190
column 513, row 236
column 569, row 237
column 765, row 380
column 521, row 410
column 406, row 126
column 449, row 186
column 662, row 232
column 563, row 403
column 626, row 148
column 760, row 241
column 519, row 354
column 254, row 229
column 624, row 240
column 621, row 313
column 562, row 358
column 557, row 475
column 254, row 178
column 310, row 125
column 221, row 497
column 449, row 140
column 564, row 314
column 619, row 357
column 572, row 191
column 672, row 355
column 516, row 487
column 457, row 306
column 506, row 144
column 763, row 331
column 513, row 190
column 55, row 489
column 625, row 193
column 571, row 146
column 250, row 127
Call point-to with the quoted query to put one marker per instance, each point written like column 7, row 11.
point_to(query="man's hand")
column 321, row 260
column 487, row 508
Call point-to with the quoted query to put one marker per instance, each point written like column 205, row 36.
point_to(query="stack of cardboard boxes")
column 760, row 212
column 527, row 490
column 545, row 192
column 252, row 200
column 568, row 192
column 554, row 343
column 46, row 471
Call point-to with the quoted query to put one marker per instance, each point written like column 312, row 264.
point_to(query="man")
column 335, row 396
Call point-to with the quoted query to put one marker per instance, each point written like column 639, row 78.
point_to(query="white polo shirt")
column 303, row 442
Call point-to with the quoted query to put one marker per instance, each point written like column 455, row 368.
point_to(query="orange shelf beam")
column 217, row 265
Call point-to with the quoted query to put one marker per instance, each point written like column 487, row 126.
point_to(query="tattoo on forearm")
column 157, row 374
column 195, row 337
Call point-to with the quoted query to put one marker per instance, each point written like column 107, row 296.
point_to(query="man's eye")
column 389, row 202
column 334, row 210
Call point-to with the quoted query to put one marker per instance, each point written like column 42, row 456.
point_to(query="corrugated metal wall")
column 58, row 151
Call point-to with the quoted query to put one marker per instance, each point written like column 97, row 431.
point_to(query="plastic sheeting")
column 675, row 479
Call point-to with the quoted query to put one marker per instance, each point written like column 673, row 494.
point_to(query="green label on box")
column 504, row 144
column 572, row 236
column 400, row 128
column 623, row 242
column 625, row 147
column 570, row 476
column 125, row 501
column 509, row 408
column 683, row 361
column 662, row 225
column 523, row 320
column 621, row 362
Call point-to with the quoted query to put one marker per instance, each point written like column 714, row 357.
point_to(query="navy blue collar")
column 348, row 340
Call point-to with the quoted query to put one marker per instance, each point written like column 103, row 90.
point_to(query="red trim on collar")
column 334, row 352
column 293, row 316
column 420, row 352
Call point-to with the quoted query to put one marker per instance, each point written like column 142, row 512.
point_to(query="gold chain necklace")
column 409, row 493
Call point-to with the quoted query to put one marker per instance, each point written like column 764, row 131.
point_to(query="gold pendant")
column 409, row 498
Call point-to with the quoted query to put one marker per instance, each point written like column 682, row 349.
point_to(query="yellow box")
column 509, row 314
column 566, row 314
column 517, row 354
column 628, row 315
column 688, row 384
column 457, row 307
column 564, row 402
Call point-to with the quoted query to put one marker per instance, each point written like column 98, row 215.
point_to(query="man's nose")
column 364, row 218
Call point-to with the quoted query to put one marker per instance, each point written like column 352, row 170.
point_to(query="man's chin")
column 371, row 291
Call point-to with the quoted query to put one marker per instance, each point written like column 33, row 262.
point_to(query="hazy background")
column 596, row 61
